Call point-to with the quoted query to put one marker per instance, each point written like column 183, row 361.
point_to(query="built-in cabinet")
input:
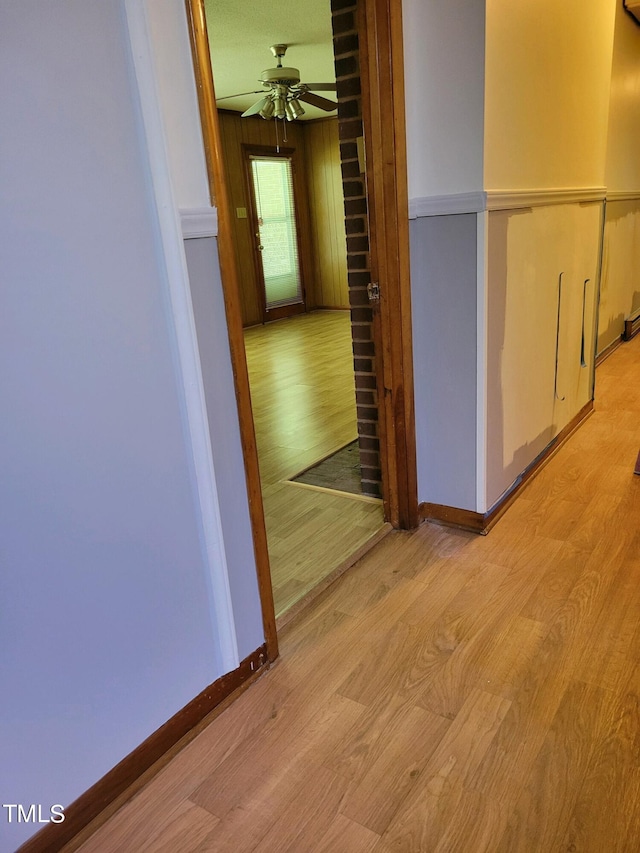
column 542, row 278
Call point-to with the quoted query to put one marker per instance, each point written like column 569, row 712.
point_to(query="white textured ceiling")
column 241, row 32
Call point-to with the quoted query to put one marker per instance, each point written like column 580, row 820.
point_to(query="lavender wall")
column 105, row 622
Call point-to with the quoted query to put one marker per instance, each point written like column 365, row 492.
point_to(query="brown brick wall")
column 345, row 42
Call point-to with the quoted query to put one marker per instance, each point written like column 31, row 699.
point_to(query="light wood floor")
column 450, row 693
column 303, row 398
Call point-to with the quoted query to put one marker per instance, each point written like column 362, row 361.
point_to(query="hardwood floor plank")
column 542, row 684
column 444, row 584
column 528, row 640
column 555, row 585
column 434, row 802
column 449, row 686
column 380, row 787
column 304, row 409
column 172, row 785
column 240, row 831
column 187, row 828
column 613, row 641
column 295, row 740
column 544, row 808
column 307, row 815
column 378, row 668
column 504, row 666
column 606, row 814
column 347, row 835
column 478, row 823
column 172, row 824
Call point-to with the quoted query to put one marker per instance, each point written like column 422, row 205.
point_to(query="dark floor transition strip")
column 340, row 471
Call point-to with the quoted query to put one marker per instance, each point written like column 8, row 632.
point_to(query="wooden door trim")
column 383, row 107
column 219, row 197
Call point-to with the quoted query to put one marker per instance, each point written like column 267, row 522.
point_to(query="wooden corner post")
column 382, row 73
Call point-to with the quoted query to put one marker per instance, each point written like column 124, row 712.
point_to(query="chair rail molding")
column 444, row 205
column 480, row 201
column 542, row 197
column 199, row 222
column 623, row 195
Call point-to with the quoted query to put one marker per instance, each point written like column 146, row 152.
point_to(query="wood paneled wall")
column 327, row 213
column 321, row 210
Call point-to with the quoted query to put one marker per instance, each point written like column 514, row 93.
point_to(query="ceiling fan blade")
column 321, row 87
column 241, row 94
column 317, row 101
column 255, row 108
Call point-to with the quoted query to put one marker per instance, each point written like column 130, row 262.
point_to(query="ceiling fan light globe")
column 267, row 111
column 279, row 106
column 294, row 109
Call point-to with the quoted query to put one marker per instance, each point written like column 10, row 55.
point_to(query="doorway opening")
column 288, row 221
column 388, row 217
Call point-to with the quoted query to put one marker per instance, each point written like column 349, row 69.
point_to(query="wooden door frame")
column 383, row 113
column 249, row 150
column 382, row 71
column 230, row 286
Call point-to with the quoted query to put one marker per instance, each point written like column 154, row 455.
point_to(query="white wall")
column 178, row 98
column 171, row 51
column 106, row 625
column 547, row 93
column 208, row 304
column 444, row 82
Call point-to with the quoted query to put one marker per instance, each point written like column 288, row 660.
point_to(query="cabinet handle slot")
column 555, row 381
column 583, row 362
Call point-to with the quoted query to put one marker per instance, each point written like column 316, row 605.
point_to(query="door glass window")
column 273, row 190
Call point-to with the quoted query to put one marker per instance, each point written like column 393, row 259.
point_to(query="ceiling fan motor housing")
column 281, row 76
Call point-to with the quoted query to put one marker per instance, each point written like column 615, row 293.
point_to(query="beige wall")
column 528, row 250
column 547, row 92
column 326, row 208
column 620, row 287
column 623, row 159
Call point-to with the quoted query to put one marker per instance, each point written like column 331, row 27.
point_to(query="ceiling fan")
column 283, row 92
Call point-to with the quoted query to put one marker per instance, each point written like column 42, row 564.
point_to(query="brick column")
column 345, row 43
